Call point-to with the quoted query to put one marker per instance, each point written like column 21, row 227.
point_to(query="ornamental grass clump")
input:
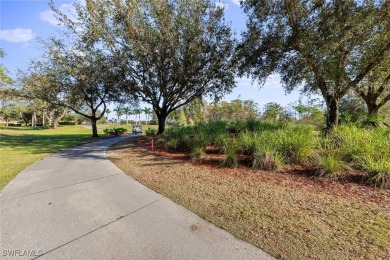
column 329, row 165
column 230, row 151
column 266, row 158
column 295, row 143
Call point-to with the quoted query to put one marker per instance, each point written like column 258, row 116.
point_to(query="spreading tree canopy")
column 328, row 46
column 82, row 79
column 172, row 51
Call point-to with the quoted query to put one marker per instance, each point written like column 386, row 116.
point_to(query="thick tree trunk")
column 162, row 117
column 94, row 126
column 332, row 118
column 55, row 123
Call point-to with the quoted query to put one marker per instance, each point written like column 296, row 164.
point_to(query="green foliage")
column 117, row 131
column 197, row 153
column 296, row 144
column 271, row 145
column 267, row 159
column 151, row 131
column 378, row 168
column 329, row 165
column 230, row 159
column 329, row 46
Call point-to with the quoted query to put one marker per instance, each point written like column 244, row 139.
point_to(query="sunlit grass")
column 22, row 146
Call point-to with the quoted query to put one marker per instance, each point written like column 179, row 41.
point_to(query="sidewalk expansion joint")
column 60, row 187
column 96, row 229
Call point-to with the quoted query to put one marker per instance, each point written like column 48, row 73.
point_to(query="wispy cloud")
column 17, row 35
column 50, row 16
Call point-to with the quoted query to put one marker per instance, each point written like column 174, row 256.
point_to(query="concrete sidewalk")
column 77, row 205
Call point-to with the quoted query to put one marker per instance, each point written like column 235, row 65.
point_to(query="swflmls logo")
column 17, row 252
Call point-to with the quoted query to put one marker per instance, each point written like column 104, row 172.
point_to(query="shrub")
column 151, row 131
column 197, row 153
column 247, row 142
column 329, row 165
column 378, row 168
column 120, row 131
column 115, row 131
column 267, row 159
column 296, row 144
column 108, row 131
column 230, row 159
column 172, row 143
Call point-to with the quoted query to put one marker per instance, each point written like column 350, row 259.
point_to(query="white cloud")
column 50, row 16
column 17, row 35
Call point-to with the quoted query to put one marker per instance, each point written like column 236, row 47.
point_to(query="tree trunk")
column 34, row 120
column 43, row 118
column 332, row 118
column 94, row 126
column 55, row 123
column 162, row 117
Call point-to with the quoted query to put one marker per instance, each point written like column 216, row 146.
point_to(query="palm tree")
column 126, row 111
column 108, row 111
column 119, row 113
column 147, row 112
column 137, row 113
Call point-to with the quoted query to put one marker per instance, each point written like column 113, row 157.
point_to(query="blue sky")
column 23, row 21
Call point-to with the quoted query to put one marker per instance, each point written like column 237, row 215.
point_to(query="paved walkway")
column 77, row 205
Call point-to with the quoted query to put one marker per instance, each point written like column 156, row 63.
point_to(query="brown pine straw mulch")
column 291, row 176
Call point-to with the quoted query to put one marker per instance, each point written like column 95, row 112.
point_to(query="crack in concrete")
column 60, row 187
column 96, row 229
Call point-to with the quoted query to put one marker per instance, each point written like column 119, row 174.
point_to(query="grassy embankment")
column 22, row 146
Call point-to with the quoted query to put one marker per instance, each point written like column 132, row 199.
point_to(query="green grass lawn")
column 22, row 146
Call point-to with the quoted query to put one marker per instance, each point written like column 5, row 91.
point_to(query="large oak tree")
column 329, row 46
column 172, row 51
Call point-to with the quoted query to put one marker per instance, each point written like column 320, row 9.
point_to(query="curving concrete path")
column 76, row 204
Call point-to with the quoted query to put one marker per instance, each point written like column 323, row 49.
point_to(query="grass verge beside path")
column 22, row 146
column 288, row 223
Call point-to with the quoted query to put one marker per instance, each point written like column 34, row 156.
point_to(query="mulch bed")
column 291, row 176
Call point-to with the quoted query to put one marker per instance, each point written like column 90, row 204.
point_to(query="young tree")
column 172, row 51
column 329, row 46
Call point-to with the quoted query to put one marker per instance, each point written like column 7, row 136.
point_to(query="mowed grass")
column 288, row 223
column 22, row 146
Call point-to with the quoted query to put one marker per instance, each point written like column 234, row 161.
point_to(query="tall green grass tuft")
column 329, row 165
column 378, row 168
column 271, row 145
column 230, row 151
